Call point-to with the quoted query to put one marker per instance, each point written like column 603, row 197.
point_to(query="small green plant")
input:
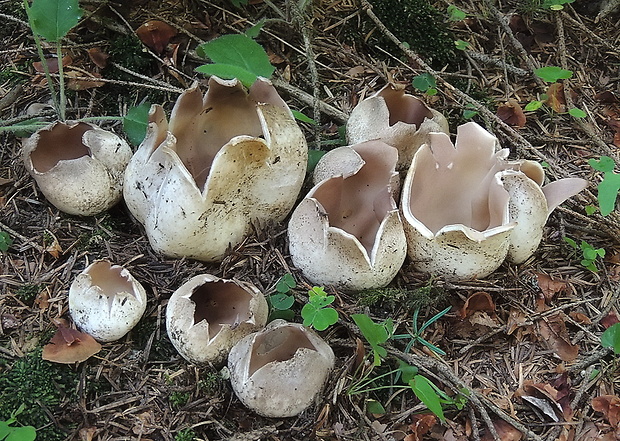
column 136, row 122
column 281, row 301
column 609, row 187
column 5, row 241
column 185, row 435
column 42, row 388
column 611, row 338
column 178, row 399
column 425, row 83
column 19, row 433
column 415, row 335
column 462, row 45
column 235, row 56
column 469, row 111
column 376, row 334
column 455, row 14
column 555, row 5
column 317, row 313
column 552, row 74
column 589, row 253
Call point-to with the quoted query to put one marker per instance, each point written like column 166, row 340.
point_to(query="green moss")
column 185, row 435
column 178, row 399
column 410, row 298
column 42, row 387
column 127, row 51
column 28, row 292
column 421, row 26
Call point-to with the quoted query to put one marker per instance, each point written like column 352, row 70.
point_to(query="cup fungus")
column 223, row 161
column 347, row 231
column 398, row 119
column 207, row 315
column 78, row 166
column 106, row 301
column 278, row 372
column 466, row 207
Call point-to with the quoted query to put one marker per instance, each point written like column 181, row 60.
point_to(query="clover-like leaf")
column 609, row 187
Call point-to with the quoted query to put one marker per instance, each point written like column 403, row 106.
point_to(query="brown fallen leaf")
column 79, row 80
column 516, row 320
column 609, row 406
column 580, row 318
column 156, row 35
column 70, row 346
column 52, row 64
column 512, row 113
column 610, row 320
column 420, row 426
column 98, row 57
column 555, row 97
column 505, row 431
column 478, row 301
column 613, row 259
column 554, row 334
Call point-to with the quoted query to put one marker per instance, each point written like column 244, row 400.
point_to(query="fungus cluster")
column 233, row 157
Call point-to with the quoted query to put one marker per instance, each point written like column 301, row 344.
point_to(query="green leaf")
column 4, row 429
column 407, row 371
column 303, row 118
column 255, row 30
column 455, row 14
column 228, row 72
column 281, row 301
column 469, row 114
column 609, row 187
column 324, row 318
column 238, row 55
column 286, row 314
column 5, row 241
column 604, row 164
column 533, row 105
column 313, row 158
column 239, row 3
column 286, row 283
column 374, row 407
column 611, row 338
column 23, row 433
column 424, row 82
column 375, row 334
column 424, row 390
column 555, row 5
column 590, row 209
column 551, row 74
column 577, row 113
column 461, row 45
column 136, row 122
column 52, row 19
column 571, row 242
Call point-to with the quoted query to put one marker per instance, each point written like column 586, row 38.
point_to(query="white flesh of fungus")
column 222, row 162
column 278, row 372
column 466, row 208
column 207, row 315
column 78, row 167
column 396, row 118
column 347, row 231
column 106, row 301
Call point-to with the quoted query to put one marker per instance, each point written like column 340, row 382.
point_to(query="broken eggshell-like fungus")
column 398, row 119
column 207, row 315
column 78, row 166
column 347, row 231
column 106, row 301
column 466, row 207
column 224, row 161
column 278, row 372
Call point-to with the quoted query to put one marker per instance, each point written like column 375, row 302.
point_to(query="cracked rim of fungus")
column 207, row 315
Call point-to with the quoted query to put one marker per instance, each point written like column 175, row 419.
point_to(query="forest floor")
column 522, row 346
